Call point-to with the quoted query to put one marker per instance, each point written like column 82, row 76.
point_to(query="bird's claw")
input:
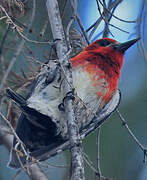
column 61, row 107
column 56, row 40
column 69, row 95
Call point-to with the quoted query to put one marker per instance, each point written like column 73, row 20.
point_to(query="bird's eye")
column 104, row 42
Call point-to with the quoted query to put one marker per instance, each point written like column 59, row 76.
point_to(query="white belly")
column 47, row 100
column 85, row 89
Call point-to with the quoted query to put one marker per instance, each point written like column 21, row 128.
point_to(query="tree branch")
column 124, row 123
column 76, row 145
column 35, row 173
column 98, row 153
column 20, row 46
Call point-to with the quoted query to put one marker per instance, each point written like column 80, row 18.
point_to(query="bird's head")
column 105, row 54
column 111, row 49
column 102, row 61
column 107, row 42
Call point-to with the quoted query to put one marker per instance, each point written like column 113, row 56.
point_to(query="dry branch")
column 35, row 173
column 20, row 46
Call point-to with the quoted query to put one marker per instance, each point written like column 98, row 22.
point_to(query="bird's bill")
column 122, row 47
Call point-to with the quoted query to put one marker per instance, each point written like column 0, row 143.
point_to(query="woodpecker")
column 42, row 126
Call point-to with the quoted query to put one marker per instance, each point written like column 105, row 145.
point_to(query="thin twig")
column 35, row 172
column 91, row 165
column 140, row 21
column 96, row 24
column 33, row 41
column 74, row 7
column 18, row 139
column 20, row 46
column 4, row 39
column 3, row 17
column 64, row 7
column 4, row 78
column 19, row 30
column 106, row 30
column 49, row 165
column 132, row 135
column 44, row 28
column 104, row 17
column 98, row 153
column 68, row 31
column 14, row 133
column 16, row 175
column 133, row 21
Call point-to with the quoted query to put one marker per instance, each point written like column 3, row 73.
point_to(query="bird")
column 42, row 126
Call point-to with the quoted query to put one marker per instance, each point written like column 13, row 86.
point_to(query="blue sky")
column 126, row 10
column 134, row 72
column 131, row 79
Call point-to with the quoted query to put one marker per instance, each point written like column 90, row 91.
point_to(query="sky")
column 133, row 75
column 124, row 11
column 131, row 79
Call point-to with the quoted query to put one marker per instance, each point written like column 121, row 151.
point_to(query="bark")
column 62, row 49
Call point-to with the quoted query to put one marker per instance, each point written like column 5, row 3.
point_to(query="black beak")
column 122, row 47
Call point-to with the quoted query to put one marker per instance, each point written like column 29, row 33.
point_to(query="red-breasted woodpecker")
column 42, row 126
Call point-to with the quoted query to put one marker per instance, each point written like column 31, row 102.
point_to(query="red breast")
column 102, row 61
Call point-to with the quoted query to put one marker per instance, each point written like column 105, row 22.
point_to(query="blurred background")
column 120, row 157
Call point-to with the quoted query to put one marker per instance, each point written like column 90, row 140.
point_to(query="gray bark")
column 62, row 49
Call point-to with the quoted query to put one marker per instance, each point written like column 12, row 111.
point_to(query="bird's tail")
column 20, row 100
